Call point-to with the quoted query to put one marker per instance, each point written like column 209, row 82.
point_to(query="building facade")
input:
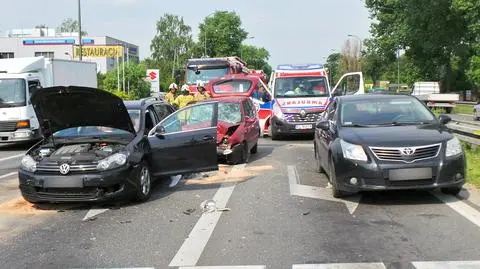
column 46, row 42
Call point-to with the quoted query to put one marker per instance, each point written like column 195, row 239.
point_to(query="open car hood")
column 66, row 107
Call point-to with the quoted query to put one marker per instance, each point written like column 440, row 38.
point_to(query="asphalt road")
column 281, row 215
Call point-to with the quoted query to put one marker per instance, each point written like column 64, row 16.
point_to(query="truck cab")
column 20, row 77
column 205, row 69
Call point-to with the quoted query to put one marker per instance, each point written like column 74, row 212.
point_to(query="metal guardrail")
column 465, row 132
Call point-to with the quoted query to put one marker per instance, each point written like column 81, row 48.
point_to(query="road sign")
column 153, row 75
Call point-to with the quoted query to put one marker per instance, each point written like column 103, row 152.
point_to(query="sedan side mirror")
column 160, row 132
column 444, row 119
column 323, row 125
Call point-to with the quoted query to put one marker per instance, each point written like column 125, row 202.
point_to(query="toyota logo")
column 64, row 169
column 303, row 113
column 407, row 151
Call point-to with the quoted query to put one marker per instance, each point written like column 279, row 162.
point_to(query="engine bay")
column 79, row 152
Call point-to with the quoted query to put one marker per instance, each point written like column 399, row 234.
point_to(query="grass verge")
column 473, row 164
column 463, row 109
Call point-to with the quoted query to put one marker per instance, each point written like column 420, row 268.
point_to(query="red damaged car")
column 238, row 129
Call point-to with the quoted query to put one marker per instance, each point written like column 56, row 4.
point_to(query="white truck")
column 429, row 92
column 19, row 77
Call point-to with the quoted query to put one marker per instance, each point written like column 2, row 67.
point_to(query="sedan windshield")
column 385, row 111
column 88, row 131
column 12, row 92
column 204, row 75
column 301, row 87
column 229, row 112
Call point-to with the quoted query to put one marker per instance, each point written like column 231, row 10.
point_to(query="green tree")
column 430, row 32
column 69, row 25
column 256, row 58
column 223, row 33
column 134, row 75
column 170, row 47
column 101, row 80
column 334, row 62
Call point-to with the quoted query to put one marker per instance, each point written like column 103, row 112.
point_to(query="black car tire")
column 452, row 191
column 275, row 135
column 144, row 183
column 333, row 180
column 318, row 165
column 254, row 149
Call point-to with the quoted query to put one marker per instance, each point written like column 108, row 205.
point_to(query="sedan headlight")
column 454, row 147
column 277, row 111
column 113, row 161
column 28, row 164
column 353, row 152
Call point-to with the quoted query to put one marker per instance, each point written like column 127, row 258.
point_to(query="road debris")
column 209, row 206
column 125, row 221
column 306, row 213
column 189, row 211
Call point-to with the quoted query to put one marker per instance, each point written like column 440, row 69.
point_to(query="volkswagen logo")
column 407, row 151
column 64, row 169
column 303, row 113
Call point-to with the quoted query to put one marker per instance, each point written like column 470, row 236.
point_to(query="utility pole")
column 123, row 68
column 80, row 30
column 398, row 65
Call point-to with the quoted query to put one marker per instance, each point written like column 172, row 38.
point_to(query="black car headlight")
column 113, row 161
column 28, row 164
column 353, row 152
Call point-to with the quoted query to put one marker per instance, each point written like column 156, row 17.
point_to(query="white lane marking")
column 318, row 193
column 447, row 265
column 226, row 267
column 9, row 175
column 340, row 266
column 192, row 248
column 12, row 157
column 460, row 207
column 94, row 212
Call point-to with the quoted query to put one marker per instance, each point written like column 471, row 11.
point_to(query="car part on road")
column 174, row 180
column 209, row 206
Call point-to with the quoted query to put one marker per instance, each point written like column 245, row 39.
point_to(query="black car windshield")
column 12, row 92
column 384, row 111
column 204, row 75
column 135, row 117
column 301, row 87
column 229, row 112
column 89, row 131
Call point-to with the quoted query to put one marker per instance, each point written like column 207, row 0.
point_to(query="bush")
column 124, row 95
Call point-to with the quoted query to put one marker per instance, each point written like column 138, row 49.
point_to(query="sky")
column 292, row 31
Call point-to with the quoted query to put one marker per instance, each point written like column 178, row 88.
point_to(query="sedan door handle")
column 207, row 137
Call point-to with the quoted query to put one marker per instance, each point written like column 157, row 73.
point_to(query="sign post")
column 153, row 75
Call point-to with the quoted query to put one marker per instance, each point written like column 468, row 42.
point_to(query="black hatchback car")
column 386, row 142
column 96, row 149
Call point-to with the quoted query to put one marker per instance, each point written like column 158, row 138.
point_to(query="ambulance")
column 301, row 93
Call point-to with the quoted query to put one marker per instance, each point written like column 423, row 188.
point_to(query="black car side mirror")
column 444, row 119
column 160, row 132
column 324, row 125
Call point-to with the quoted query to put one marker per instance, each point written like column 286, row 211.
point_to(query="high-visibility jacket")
column 183, row 100
column 201, row 97
column 170, row 97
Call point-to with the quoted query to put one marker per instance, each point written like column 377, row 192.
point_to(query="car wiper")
column 401, row 123
column 358, row 125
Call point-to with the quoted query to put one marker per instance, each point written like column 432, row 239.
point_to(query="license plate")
column 303, row 127
column 410, row 174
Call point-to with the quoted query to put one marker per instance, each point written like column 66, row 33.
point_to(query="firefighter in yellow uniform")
column 202, row 93
column 172, row 92
column 184, row 98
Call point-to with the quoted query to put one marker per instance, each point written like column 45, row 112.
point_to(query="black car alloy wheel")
column 144, row 183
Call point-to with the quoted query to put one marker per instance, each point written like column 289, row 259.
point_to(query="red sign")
column 152, row 75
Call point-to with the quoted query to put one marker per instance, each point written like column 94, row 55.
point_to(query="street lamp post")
column 80, row 30
column 398, row 65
